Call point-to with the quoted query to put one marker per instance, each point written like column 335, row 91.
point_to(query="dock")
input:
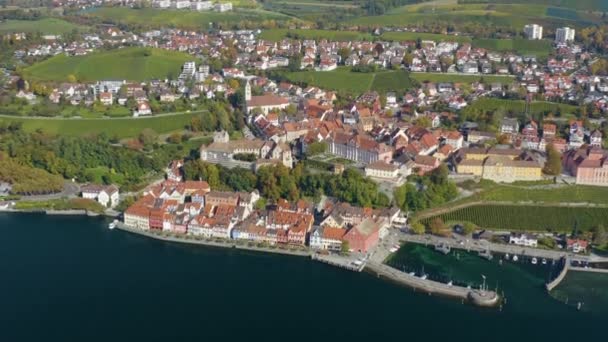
column 477, row 297
column 338, row 261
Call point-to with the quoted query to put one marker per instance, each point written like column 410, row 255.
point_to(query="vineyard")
column 529, row 218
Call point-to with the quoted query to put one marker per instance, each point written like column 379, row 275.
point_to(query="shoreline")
column 472, row 296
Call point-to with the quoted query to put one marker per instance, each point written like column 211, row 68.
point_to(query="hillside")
column 134, row 64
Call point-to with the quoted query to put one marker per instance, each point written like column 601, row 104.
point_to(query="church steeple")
column 247, row 91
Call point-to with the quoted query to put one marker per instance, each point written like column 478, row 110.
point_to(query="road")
column 102, row 118
column 70, row 190
column 482, row 245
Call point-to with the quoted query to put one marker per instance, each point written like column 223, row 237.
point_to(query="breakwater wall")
column 562, row 274
column 476, row 297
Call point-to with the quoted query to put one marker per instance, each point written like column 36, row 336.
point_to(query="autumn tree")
column 553, row 165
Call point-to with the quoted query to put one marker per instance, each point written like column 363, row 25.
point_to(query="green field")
column 279, row 34
column 512, row 16
column 44, row 26
column 518, row 106
column 529, row 218
column 313, row 10
column 120, row 127
column 458, row 78
column 134, row 64
column 183, row 19
column 355, row 82
column 539, row 48
column 584, row 5
column 565, row 194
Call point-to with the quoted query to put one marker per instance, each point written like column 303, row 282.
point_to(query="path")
column 70, row 190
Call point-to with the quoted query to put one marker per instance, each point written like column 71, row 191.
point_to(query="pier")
column 339, row 261
column 562, row 274
column 479, row 297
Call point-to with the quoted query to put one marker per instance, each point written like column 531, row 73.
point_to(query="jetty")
column 562, row 274
column 479, row 297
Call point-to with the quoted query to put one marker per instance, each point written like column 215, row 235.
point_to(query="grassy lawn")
column 121, row 128
column 539, row 48
column 135, row 64
column 150, row 17
column 279, row 34
column 44, row 26
column 443, row 77
column 356, row 82
column 532, row 218
column 517, row 106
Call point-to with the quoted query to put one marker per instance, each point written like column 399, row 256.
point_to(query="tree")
column 175, row 138
column 72, row 78
column 147, row 136
column 600, row 237
column 316, row 148
column 417, row 228
column 400, row 197
column 553, row 165
column 468, row 228
column 437, row 226
column 345, row 247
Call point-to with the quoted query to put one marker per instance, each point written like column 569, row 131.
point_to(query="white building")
column 564, row 35
column 382, row 169
column 327, row 238
column 533, row 31
column 181, row 4
column 223, row 7
column 162, row 4
column 523, row 240
column 107, row 196
column 202, row 5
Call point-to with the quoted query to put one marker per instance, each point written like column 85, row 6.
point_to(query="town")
column 340, row 141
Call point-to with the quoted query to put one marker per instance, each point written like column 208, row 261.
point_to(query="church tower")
column 247, row 91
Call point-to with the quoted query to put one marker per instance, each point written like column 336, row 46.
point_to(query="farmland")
column 314, row 9
column 183, row 19
column 135, row 64
column 539, row 48
column 512, row 16
column 355, row 82
column 459, row 78
column 119, row 127
column 583, row 5
column 518, row 106
column 532, row 218
column 44, row 26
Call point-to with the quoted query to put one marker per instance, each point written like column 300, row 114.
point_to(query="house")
column 426, row 163
column 264, row 103
column 327, row 238
column 143, row 108
column 577, row 245
column 107, row 196
column 523, row 240
column 365, row 235
column 106, row 98
column 509, row 126
column 382, row 169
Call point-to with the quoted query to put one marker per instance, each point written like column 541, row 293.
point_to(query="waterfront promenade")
column 482, row 246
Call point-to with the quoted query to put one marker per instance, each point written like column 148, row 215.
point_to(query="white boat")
column 112, row 225
column 534, row 261
column 413, row 274
column 392, row 250
column 507, row 256
column 357, row 263
column 423, row 277
column 544, row 261
column 515, row 258
column 450, row 283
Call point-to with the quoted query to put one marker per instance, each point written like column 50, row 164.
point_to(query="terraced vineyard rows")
column 530, row 218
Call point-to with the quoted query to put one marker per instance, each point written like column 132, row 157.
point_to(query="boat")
column 544, row 261
column 357, row 263
column 112, row 224
column 534, row 261
column 392, row 250
column 450, row 283
column 413, row 274
column 515, row 258
column 486, row 254
column 507, row 256
column 423, row 277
